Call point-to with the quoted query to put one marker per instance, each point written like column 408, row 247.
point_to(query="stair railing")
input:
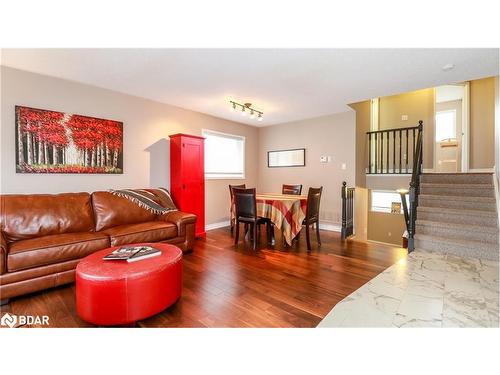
column 415, row 187
column 390, row 150
column 347, row 211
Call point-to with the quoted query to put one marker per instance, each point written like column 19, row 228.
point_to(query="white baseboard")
column 330, row 227
column 482, row 170
column 218, row 225
column 322, row 226
column 386, row 243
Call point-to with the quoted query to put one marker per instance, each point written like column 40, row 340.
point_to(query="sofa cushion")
column 36, row 215
column 53, row 249
column 153, row 231
column 111, row 211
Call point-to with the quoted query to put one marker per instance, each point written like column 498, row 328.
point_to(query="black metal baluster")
column 406, row 159
column 376, row 152
column 388, row 144
column 393, row 152
column 382, row 152
column 400, row 160
column 369, row 153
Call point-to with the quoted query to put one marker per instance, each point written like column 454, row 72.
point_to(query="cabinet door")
column 193, row 179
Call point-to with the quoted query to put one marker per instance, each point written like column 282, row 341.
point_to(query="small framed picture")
column 395, row 207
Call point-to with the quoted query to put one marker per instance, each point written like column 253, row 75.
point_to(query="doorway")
column 451, row 125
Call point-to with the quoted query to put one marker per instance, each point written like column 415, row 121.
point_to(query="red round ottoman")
column 110, row 292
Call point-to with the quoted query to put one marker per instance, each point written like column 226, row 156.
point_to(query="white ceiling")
column 287, row 84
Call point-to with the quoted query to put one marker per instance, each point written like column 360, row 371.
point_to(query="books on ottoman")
column 133, row 253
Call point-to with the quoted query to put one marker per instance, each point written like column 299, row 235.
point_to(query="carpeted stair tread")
column 457, row 242
column 457, row 198
column 456, row 185
column 464, row 227
column 457, row 211
column 458, row 247
column 467, row 190
column 466, row 178
column 457, row 202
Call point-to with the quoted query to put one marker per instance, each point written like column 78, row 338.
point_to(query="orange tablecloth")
column 287, row 212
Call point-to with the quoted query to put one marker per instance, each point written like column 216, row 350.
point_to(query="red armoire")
column 187, row 176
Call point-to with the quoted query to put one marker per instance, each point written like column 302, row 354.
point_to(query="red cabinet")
column 187, row 176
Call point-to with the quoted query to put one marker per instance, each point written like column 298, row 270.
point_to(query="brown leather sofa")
column 43, row 237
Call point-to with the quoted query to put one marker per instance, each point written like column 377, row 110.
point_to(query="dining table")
column 286, row 212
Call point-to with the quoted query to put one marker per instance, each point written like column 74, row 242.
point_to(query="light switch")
column 404, row 117
column 343, row 166
column 323, row 159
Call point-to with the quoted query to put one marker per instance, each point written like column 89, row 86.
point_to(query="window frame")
column 386, row 210
column 226, row 176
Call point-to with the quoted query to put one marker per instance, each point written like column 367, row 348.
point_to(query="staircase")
column 457, row 215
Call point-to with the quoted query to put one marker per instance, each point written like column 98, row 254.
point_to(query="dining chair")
column 291, row 189
column 312, row 214
column 231, row 193
column 246, row 212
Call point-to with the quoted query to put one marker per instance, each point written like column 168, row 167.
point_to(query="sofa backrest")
column 27, row 216
column 111, row 210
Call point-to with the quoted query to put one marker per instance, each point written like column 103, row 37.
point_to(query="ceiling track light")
column 247, row 107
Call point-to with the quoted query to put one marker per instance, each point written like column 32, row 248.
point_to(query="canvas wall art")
column 56, row 142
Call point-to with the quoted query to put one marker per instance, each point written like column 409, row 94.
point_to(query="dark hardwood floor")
column 228, row 286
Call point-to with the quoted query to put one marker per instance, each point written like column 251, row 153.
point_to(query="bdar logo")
column 8, row 320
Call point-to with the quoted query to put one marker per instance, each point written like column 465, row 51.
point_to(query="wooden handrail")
column 392, row 130
column 415, row 187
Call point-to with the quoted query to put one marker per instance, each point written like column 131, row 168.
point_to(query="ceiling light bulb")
column 252, row 114
column 233, row 108
column 243, row 113
column 260, row 118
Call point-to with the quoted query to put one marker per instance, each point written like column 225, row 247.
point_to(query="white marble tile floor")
column 425, row 289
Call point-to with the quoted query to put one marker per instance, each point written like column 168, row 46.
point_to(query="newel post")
column 343, row 233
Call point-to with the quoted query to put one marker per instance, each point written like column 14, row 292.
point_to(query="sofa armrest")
column 3, row 254
column 180, row 219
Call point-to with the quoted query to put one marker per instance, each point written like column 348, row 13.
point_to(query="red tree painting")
column 56, row 142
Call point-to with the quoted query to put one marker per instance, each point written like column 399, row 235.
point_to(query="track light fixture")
column 247, row 107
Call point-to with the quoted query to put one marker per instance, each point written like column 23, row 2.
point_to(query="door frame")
column 465, row 127
column 464, row 162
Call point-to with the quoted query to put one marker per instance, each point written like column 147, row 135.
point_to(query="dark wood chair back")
column 232, row 187
column 291, row 189
column 245, row 203
column 313, row 201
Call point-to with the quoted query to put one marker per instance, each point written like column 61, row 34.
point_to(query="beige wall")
column 362, row 110
column 417, row 105
column 363, row 114
column 333, row 136
column 147, row 125
column 482, row 123
column 386, row 227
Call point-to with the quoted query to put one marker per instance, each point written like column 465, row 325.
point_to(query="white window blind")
column 224, row 155
column 381, row 201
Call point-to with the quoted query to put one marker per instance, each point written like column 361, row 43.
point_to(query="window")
column 224, row 155
column 446, row 125
column 382, row 201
